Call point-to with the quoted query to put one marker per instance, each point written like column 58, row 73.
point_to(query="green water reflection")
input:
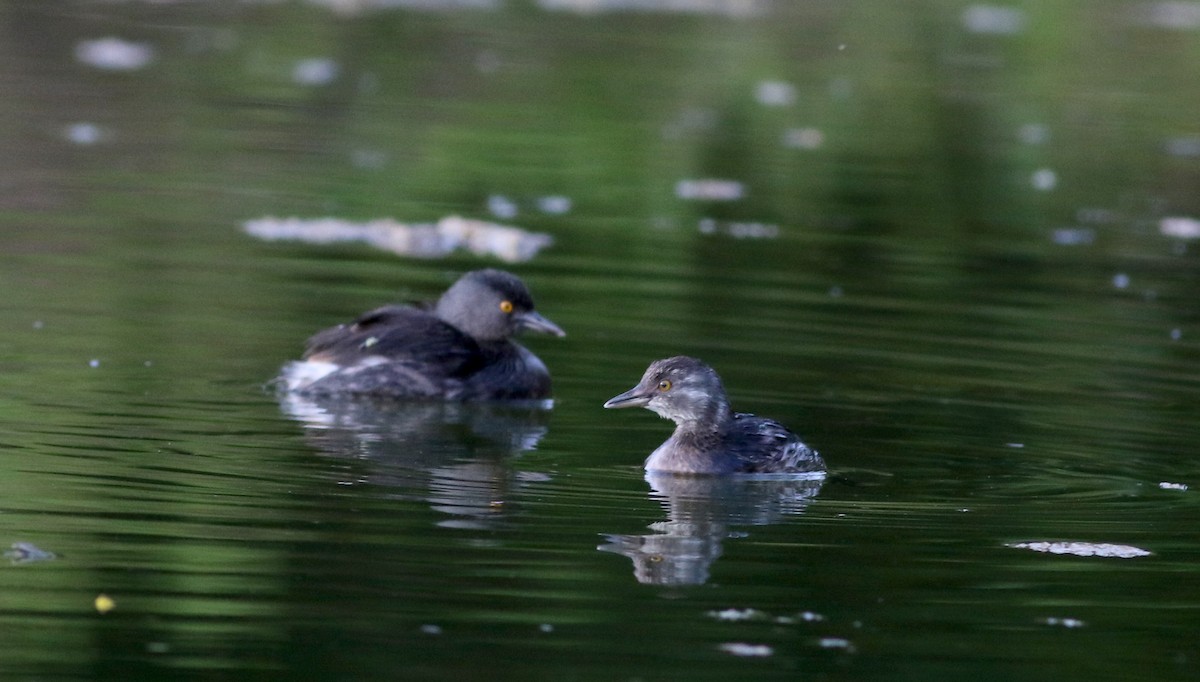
column 928, row 236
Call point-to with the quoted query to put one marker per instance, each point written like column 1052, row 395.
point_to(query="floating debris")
column 1043, row 179
column 727, row 8
column 104, row 603
column 1064, row 622
column 993, row 19
column 1183, row 146
column 744, row 649
column 84, row 133
column 733, row 615
column 1180, row 227
column 114, row 54
column 738, row 229
column 803, row 138
column 27, row 553
column 1034, row 133
column 554, row 204
column 775, row 94
column 315, row 71
column 1073, row 236
column 1097, row 549
column 354, row 7
column 1120, row 280
column 1179, row 16
column 835, row 643
column 710, row 189
column 1172, row 486
column 423, row 240
column 502, row 207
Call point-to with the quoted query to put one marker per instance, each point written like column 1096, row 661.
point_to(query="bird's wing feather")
column 397, row 333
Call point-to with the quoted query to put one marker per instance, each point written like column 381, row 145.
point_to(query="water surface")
column 928, row 237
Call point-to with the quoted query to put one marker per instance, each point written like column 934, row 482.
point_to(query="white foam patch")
column 301, row 374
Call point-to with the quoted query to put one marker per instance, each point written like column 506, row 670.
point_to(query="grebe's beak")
column 532, row 321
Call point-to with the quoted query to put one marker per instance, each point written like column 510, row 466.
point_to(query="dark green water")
column 945, row 263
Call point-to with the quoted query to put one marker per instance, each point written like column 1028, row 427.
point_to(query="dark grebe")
column 458, row 349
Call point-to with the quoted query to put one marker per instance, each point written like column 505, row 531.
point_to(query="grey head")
column 682, row 389
column 492, row 305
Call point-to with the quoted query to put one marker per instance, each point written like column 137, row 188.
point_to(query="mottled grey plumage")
column 710, row 438
column 460, row 348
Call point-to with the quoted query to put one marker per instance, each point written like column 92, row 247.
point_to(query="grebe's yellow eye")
column 664, row 385
column 506, row 307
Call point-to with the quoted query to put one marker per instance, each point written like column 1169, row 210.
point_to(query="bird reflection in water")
column 702, row 511
column 452, row 455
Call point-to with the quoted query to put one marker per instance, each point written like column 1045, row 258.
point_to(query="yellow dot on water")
column 105, row 603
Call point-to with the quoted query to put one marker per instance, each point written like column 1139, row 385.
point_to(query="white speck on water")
column 710, row 189
column 157, row 647
column 745, row 649
column 1043, row 179
column 1033, row 133
column 93, row 363
column 1014, row 445
column 502, row 207
column 722, row 8
column 1180, row 16
column 733, row 615
column 148, row 363
column 1176, row 334
column 775, row 93
column 38, row 324
column 1064, row 622
column 114, row 54
column 803, row 138
column 1172, row 486
column 368, row 159
column 554, row 204
column 431, row 629
column 1180, row 227
column 1073, row 236
column 841, row 47
column 1183, row 146
column 546, row 628
column 1120, row 280
column 835, row 643
column 315, row 71
column 993, row 19
column 84, row 133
